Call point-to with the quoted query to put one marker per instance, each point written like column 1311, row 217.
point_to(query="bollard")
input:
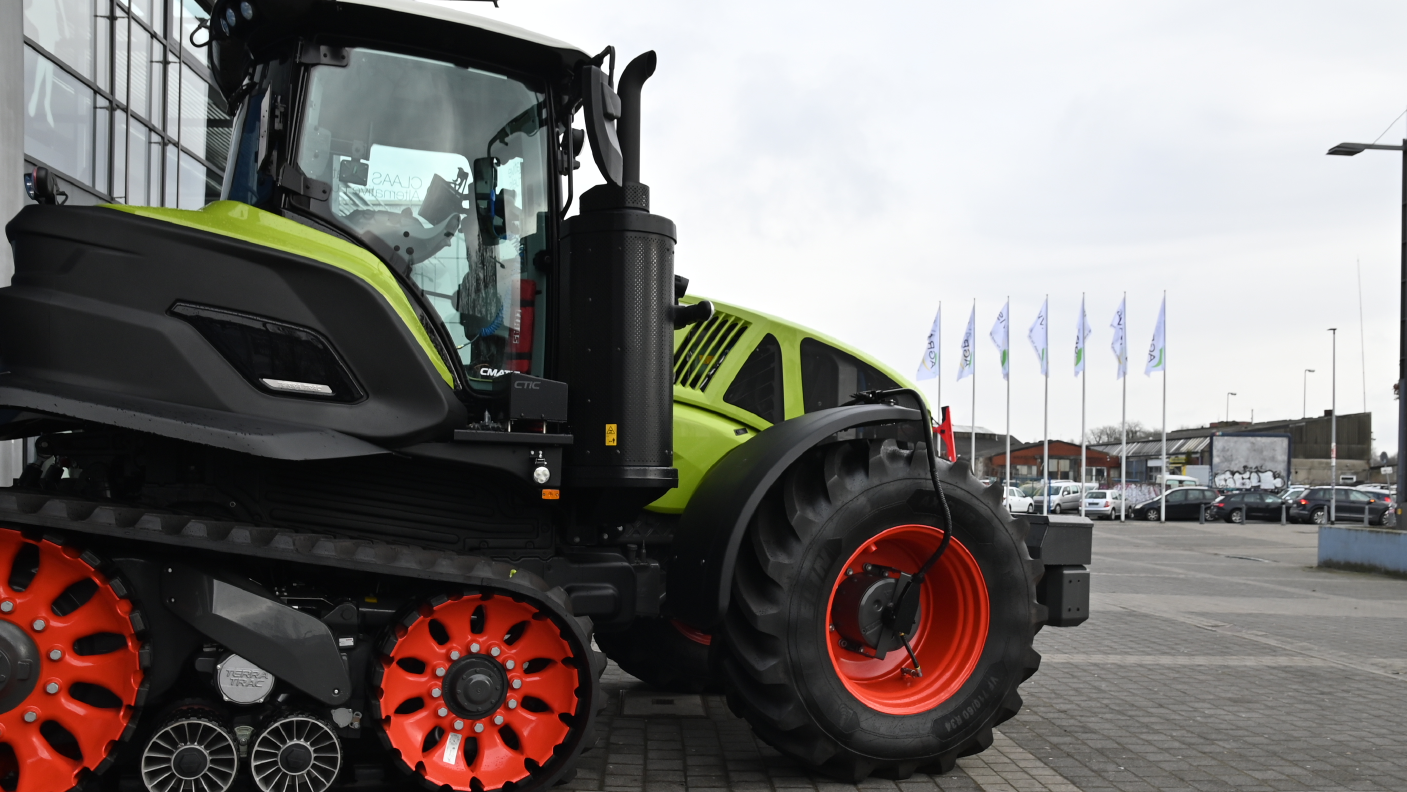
column 1283, row 508
column 1365, row 516
column 1202, row 515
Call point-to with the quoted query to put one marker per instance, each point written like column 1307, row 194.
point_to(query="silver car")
column 1103, row 504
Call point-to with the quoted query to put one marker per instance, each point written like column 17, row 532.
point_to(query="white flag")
column 969, row 350
column 1157, row 351
column 932, row 358
column 1040, row 340
column 1121, row 340
column 1001, row 336
column 1081, row 335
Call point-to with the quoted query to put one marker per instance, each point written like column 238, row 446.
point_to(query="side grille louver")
column 705, row 348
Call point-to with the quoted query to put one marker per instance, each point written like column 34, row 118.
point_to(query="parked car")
column 1313, row 506
column 1378, row 491
column 1184, row 503
column 1292, row 493
column 1038, row 496
column 1069, row 500
column 1018, row 502
column 1102, row 504
column 1250, row 505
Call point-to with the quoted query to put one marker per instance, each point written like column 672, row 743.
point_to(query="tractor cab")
column 420, row 145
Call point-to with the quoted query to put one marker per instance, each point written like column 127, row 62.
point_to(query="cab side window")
column 829, row 377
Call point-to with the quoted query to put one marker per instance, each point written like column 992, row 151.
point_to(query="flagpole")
column 1083, row 373
column 1045, row 364
column 1006, row 374
column 972, row 460
column 1163, row 508
column 940, row 373
column 1124, row 424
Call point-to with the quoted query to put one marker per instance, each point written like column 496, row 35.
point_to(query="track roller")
column 192, row 752
column 295, row 753
column 486, row 690
column 70, row 664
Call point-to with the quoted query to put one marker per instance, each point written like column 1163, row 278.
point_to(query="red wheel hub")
column 954, row 611
column 473, row 690
column 73, row 665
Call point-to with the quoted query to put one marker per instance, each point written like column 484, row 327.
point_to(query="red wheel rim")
column 506, row 745
column 88, row 657
column 697, row 636
column 951, row 631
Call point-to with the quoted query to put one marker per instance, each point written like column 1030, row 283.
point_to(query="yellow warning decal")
column 610, row 434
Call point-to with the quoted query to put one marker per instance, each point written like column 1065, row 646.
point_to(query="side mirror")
column 42, row 187
column 602, row 108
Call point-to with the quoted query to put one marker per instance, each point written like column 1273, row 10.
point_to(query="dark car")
column 1184, row 503
column 1250, row 505
column 1313, row 506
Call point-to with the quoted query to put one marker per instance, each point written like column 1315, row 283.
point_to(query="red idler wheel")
column 480, row 691
column 70, row 661
column 954, row 611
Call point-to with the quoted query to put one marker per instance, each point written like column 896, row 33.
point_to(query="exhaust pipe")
column 628, row 127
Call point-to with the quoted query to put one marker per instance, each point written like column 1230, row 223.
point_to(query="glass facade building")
column 119, row 104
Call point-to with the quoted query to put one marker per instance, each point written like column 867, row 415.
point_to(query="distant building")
column 988, row 443
column 1028, row 459
column 1309, row 446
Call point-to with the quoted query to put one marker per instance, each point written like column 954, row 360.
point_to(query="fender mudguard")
column 705, row 547
column 293, row 646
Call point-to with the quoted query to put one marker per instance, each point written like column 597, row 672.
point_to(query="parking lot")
column 1217, row 657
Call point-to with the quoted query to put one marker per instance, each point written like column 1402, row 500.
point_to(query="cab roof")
column 457, row 17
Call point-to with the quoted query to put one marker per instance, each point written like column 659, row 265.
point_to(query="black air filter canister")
column 620, row 260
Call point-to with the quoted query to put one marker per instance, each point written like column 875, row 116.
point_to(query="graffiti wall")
column 1250, row 461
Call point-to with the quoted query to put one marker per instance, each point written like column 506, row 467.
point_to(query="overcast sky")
column 849, row 165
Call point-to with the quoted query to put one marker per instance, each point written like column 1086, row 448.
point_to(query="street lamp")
column 1229, row 394
column 1307, row 372
column 1348, row 150
column 1334, row 429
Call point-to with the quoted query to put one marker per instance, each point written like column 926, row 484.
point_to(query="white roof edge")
column 437, row 11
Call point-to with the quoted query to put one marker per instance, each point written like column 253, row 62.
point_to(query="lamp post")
column 1349, row 150
column 1334, row 429
column 1229, row 394
column 1307, row 372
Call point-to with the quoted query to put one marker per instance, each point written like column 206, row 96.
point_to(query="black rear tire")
column 773, row 651
column 660, row 654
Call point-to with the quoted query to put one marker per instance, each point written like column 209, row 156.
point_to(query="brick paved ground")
column 1217, row 658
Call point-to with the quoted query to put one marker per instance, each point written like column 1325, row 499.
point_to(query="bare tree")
column 1112, row 433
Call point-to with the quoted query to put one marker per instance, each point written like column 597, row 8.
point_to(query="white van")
column 1173, row 482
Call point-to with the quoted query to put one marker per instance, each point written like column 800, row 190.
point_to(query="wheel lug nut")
column 458, row 725
column 443, row 712
column 498, row 720
column 7, row 606
column 439, row 672
column 51, row 688
column 454, row 655
column 474, row 648
column 512, row 704
column 478, row 727
column 30, row 717
column 509, row 665
column 435, row 692
column 494, row 651
column 517, row 683
column 39, row 625
column 56, row 654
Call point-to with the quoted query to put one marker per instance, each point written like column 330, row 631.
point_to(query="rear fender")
column 705, row 545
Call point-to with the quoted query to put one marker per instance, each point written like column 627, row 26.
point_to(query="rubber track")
column 183, row 531
column 754, row 668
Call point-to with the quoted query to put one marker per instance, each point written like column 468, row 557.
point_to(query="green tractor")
column 348, row 471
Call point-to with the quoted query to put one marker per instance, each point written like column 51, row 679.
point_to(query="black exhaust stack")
column 620, row 260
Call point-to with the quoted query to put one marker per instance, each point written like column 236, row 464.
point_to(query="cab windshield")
column 443, row 170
